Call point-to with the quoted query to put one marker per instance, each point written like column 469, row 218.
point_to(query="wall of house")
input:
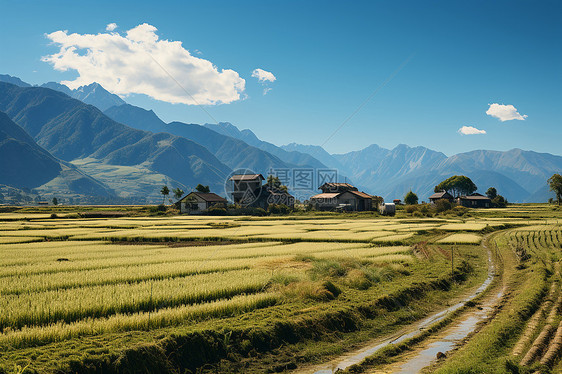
column 241, row 188
column 475, row 203
column 200, row 203
column 324, row 204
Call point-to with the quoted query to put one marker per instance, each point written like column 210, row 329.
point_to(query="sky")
column 453, row 76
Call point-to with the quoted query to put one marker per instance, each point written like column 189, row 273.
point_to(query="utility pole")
column 452, row 262
column 150, row 306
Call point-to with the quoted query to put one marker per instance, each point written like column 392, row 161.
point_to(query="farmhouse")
column 443, row 195
column 244, row 187
column 248, row 190
column 197, row 202
column 475, row 200
column 341, row 196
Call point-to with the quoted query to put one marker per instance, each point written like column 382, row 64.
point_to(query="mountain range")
column 90, row 142
column 24, row 163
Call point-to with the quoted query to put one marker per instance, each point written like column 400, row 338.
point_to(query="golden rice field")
column 91, row 283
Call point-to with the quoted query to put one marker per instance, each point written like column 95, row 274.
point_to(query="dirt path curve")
column 352, row 358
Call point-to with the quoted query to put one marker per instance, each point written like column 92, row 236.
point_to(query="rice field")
column 69, row 279
column 464, row 238
column 66, row 278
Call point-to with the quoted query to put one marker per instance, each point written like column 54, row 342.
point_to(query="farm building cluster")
column 249, row 190
column 474, row 200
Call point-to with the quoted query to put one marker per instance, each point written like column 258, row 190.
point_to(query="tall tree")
column 165, row 191
column 274, row 182
column 492, row 193
column 202, row 189
column 555, row 183
column 178, row 193
column 411, row 198
column 55, row 201
column 457, row 185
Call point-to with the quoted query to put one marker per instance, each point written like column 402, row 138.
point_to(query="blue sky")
column 329, row 57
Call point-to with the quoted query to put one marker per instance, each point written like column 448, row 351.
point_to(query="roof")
column 327, row 195
column 477, row 197
column 209, row 197
column 246, row 177
column 336, row 185
column 361, row 194
column 440, row 195
column 274, row 192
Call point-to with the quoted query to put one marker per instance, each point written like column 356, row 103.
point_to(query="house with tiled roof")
column 442, row 195
column 341, row 196
column 247, row 190
column 199, row 202
column 475, row 200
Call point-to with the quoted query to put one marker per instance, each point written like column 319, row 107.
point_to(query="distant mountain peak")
column 94, row 94
column 13, row 80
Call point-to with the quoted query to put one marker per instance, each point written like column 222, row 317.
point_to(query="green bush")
column 247, row 211
column 278, row 209
column 217, row 211
column 443, row 205
column 499, row 201
column 157, row 209
column 410, row 209
column 460, row 210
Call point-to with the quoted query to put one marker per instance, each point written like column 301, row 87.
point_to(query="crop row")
column 100, row 301
column 113, row 275
column 536, row 240
column 59, row 331
column 129, row 255
column 173, row 262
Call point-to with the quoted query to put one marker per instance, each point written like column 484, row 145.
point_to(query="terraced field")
column 226, row 294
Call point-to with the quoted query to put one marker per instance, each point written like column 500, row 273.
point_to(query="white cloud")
column 141, row 63
column 263, row 76
column 111, row 27
column 470, row 130
column 504, row 112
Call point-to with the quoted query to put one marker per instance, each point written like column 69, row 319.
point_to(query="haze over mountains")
column 116, row 149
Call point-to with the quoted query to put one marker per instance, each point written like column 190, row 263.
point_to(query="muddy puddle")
column 424, row 358
column 453, row 336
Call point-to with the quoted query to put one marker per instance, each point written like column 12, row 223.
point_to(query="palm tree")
column 165, row 191
column 178, row 193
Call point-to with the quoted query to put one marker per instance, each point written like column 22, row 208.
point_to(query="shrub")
column 460, row 210
column 443, row 205
column 278, row 209
column 499, row 201
column 410, row 209
column 247, row 211
column 217, row 211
